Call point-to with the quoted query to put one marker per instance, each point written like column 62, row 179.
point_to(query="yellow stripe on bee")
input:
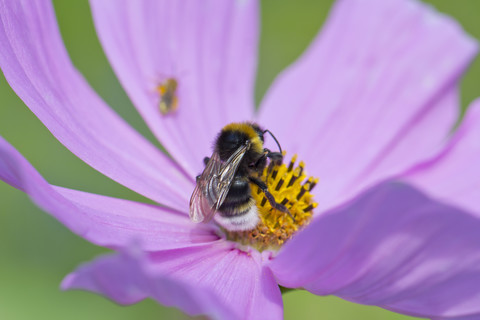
column 244, row 207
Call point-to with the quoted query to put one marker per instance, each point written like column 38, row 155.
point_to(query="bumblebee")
column 223, row 189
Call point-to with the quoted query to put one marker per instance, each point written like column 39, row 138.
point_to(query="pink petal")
column 454, row 175
column 392, row 247
column 210, row 47
column 103, row 220
column 127, row 278
column 36, row 65
column 237, row 277
column 375, row 93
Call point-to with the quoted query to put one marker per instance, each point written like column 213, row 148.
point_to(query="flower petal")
column 381, row 75
column 127, row 278
column 209, row 47
column 454, row 174
column 105, row 221
column 237, row 277
column 392, row 247
column 36, row 65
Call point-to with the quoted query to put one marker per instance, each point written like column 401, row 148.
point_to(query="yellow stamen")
column 290, row 187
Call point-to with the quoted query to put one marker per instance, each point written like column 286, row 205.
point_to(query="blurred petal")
column 454, row 175
column 392, row 247
column 209, row 47
column 238, row 277
column 380, row 75
column 105, row 221
column 127, row 278
column 36, row 65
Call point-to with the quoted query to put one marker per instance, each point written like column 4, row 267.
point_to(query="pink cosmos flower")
column 371, row 101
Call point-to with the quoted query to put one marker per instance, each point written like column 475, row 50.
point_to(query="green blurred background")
column 37, row 251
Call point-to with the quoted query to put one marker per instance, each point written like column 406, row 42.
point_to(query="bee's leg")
column 197, row 178
column 270, row 197
column 276, row 159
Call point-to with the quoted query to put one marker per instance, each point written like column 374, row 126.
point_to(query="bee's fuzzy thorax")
column 241, row 130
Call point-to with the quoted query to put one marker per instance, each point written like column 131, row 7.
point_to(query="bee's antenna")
column 278, row 144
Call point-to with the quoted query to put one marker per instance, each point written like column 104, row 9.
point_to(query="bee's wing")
column 203, row 196
column 227, row 173
column 200, row 209
column 213, row 185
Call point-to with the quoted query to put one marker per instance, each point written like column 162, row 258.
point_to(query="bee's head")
column 228, row 141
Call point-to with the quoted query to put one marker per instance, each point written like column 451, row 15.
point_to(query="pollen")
column 291, row 187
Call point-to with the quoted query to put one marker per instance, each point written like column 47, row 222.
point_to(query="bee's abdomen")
column 239, row 199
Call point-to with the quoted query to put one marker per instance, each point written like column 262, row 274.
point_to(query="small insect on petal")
column 168, row 102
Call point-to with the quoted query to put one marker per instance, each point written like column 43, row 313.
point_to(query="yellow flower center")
column 290, row 186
